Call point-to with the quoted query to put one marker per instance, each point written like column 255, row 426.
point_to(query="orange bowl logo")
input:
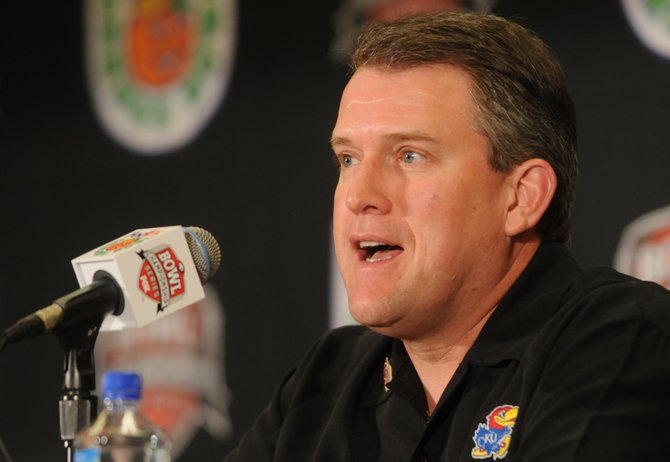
column 649, row 21
column 126, row 241
column 158, row 69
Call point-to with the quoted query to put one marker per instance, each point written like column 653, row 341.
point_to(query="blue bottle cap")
column 121, row 385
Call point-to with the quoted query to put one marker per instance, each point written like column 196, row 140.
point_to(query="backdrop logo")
column 650, row 19
column 644, row 248
column 158, row 69
column 181, row 361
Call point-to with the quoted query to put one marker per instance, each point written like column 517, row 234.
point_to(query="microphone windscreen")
column 205, row 251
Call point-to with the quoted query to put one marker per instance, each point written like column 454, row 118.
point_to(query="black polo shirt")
column 572, row 366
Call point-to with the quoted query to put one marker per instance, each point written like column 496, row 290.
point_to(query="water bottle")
column 121, row 433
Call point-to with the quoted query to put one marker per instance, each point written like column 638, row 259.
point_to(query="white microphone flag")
column 154, row 269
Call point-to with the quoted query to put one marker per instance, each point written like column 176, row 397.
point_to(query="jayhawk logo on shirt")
column 492, row 438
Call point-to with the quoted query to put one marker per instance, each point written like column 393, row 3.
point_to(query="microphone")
column 131, row 281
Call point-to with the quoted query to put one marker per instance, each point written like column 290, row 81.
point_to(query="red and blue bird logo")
column 492, row 438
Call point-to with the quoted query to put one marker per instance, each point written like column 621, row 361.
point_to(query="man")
column 483, row 338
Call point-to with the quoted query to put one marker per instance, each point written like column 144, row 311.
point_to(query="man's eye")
column 348, row 160
column 410, row 157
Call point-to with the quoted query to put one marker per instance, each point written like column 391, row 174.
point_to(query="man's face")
column 418, row 212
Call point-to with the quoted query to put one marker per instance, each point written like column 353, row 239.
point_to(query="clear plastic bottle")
column 121, row 433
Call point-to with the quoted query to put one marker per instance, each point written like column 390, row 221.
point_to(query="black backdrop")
column 260, row 178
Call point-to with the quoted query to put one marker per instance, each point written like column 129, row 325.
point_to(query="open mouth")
column 373, row 251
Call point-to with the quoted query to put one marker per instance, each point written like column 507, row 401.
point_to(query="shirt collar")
column 395, row 374
column 529, row 303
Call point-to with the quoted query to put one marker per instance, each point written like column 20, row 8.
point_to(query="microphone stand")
column 78, row 331
column 77, row 405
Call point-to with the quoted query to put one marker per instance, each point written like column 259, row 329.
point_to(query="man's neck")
column 436, row 358
column 436, row 364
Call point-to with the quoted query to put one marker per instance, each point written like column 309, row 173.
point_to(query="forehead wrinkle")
column 369, row 101
column 413, row 97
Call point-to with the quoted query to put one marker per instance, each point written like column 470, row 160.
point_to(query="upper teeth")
column 365, row 244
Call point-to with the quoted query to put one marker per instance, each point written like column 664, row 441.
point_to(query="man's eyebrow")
column 399, row 136
column 410, row 136
column 337, row 140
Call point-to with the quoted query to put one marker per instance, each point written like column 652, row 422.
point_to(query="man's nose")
column 369, row 189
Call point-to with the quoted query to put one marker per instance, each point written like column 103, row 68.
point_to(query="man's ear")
column 533, row 184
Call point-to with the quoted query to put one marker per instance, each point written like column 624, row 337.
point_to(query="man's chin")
column 374, row 318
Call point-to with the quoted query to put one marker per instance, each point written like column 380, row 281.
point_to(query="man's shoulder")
column 597, row 372
column 607, row 293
